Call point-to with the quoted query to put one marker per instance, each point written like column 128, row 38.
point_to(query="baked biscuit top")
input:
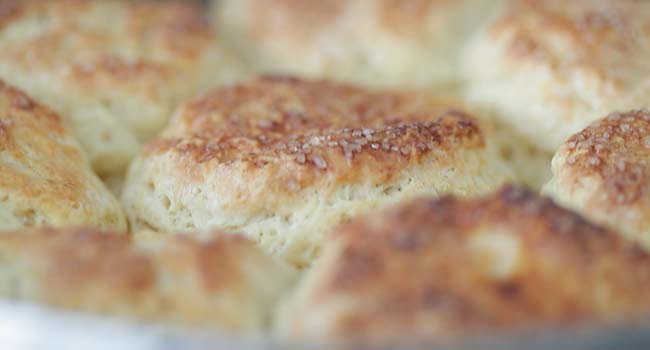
column 45, row 178
column 592, row 35
column 141, row 32
column 114, row 69
column 314, row 125
column 551, row 68
column 435, row 267
column 221, row 280
column 617, row 149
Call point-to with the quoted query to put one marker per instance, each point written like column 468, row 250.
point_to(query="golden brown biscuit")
column 377, row 43
column 552, row 67
column 604, row 173
column 114, row 69
column 45, row 179
column 284, row 160
column 223, row 281
column 439, row 267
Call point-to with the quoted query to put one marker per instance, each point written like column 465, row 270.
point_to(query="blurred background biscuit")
column 284, row 160
column 433, row 268
column 223, row 281
column 552, row 67
column 113, row 69
column 45, row 179
column 376, row 43
column 604, row 172
column 531, row 164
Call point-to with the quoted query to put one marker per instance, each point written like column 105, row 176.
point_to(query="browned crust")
column 181, row 27
column 8, row 11
column 173, row 34
column 304, row 20
column 314, row 124
column 409, row 16
column 29, row 133
column 115, row 68
column 76, row 259
column 16, row 102
column 416, row 270
column 617, row 150
column 596, row 32
column 63, row 265
column 126, row 62
column 18, row 106
column 178, row 25
column 45, row 179
column 177, row 279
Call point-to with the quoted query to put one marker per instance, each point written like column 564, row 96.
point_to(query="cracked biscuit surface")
column 284, row 160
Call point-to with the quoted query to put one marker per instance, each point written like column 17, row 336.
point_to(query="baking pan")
column 25, row 326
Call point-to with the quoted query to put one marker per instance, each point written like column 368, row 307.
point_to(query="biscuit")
column 432, row 268
column 223, row 281
column 385, row 43
column 604, row 173
column 284, row 160
column 550, row 68
column 45, row 179
column 530, row 164
column 114, row 69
